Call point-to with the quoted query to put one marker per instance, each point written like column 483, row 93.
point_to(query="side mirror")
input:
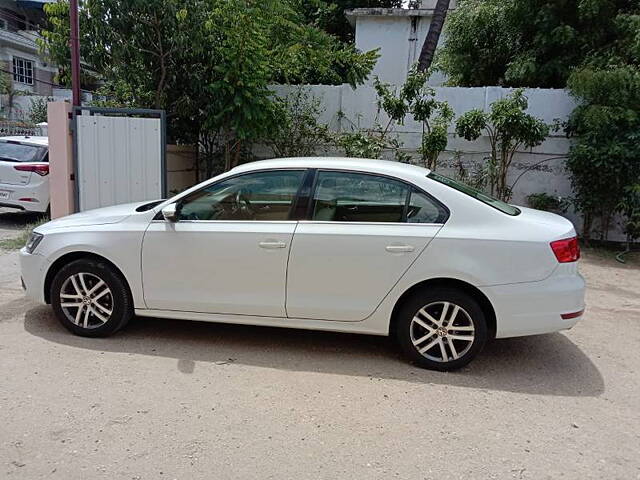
column 171, row 213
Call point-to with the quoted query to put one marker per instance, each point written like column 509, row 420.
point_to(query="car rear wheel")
column 90, row 298
column 441, row 328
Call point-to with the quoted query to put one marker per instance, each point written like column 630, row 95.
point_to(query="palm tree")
column 435, row 29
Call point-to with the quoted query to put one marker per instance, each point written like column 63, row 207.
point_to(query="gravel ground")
column 185, row 400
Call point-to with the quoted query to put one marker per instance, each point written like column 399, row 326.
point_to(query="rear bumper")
column 39, row 192
column 33, row 268
column 537, row 307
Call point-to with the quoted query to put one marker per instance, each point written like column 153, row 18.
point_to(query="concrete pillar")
column 61, row 183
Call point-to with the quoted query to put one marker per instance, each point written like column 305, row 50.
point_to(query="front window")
column 19, row 152
column 23, row 70
column 255, row 196
column 359, row 197
column 477, row 194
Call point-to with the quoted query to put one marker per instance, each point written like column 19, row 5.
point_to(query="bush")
column 38, row 110
column 603, row 161
column 413, row 100
column 509, row 128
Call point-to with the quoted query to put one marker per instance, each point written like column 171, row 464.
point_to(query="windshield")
column 19, row 152
column 477, row 194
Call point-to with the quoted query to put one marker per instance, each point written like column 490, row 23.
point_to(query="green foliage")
column 475, row 175
column 509, row 128
column 330, row 15
column 549, row 203
column 7, row 88
column 38, row 110
column 207, row 63
column 534, row 43
column 414, row 100
column 591, row 46
column 298, row 132
column 603, row 160
column 361, row 144
column 629, row 207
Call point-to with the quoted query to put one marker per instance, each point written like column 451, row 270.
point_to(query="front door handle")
column 399, row 248
column 272, row 244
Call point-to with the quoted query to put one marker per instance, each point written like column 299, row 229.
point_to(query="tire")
column 110, row 306
column 423, row 334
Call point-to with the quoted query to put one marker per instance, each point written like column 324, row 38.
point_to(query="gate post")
column 61, row 174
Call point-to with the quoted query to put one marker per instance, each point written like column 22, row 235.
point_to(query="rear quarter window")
column 477, row 194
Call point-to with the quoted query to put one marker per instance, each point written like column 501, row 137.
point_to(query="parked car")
column 346, row 245
column 24, row 173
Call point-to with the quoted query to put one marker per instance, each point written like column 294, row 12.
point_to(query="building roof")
column 353, row 13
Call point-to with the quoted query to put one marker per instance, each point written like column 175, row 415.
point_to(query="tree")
column 208, row 63
column 529, row 43
column 413, row 100
column 433, row 35
column 298, row 131
column 330, row 15
column 508, row 128
column 7, row 88
column 604, row 160
column 590, row 46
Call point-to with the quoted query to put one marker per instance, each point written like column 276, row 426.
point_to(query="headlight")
column 34, row 240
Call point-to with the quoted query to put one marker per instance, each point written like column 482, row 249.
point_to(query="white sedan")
column 347, row 245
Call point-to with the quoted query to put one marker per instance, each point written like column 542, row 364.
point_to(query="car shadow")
column 18, row 219
column 542, row 365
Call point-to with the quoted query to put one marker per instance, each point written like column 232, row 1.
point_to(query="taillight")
column 39, row 168
column 566, row 250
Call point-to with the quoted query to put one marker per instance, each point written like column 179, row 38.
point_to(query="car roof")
column 27, row 140
column 384, row 167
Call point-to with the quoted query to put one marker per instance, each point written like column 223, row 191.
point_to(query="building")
column 29, row 71
column 399, row 34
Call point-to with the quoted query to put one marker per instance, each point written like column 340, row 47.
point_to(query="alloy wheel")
column 442, row 331
column 86, row 300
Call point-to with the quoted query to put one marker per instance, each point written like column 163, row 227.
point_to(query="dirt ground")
column 185, row 400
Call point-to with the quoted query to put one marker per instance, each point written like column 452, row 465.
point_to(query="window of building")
column 23, row 70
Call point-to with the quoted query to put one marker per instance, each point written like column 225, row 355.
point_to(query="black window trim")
column 411, row 187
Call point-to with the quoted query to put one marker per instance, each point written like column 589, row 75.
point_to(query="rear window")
column 477, row 194
column 19, row 152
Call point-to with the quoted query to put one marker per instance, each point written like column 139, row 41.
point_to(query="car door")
column 228, row 251
column 362, row 234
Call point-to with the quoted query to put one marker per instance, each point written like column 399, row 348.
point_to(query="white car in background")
column 342, row 244
column 24, row 173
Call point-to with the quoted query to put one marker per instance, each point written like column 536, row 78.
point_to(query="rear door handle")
column 272, row 244
column 399, row 248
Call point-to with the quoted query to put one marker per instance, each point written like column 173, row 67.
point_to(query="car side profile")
column 339, row 244
column 24, row 173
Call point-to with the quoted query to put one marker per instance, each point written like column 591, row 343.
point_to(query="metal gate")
column 119, row 156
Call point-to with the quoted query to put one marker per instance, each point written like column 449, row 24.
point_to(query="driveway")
column 187, row 400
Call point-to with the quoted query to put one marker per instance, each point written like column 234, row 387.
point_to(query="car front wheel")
column 91, row 298
column 441, row 328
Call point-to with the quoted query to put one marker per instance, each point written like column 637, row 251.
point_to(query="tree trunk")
column 435, row 29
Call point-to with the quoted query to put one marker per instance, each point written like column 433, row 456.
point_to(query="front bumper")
column 33, row 268
column 533, row 308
